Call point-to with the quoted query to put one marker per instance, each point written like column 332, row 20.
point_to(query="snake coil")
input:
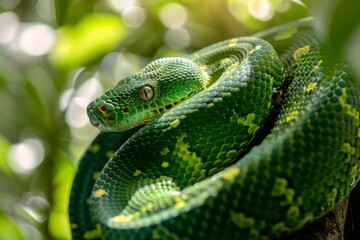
column 190, row 172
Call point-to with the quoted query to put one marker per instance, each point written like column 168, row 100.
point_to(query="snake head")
column 141, row 97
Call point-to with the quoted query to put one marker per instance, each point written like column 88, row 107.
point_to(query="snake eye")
column 146, row 93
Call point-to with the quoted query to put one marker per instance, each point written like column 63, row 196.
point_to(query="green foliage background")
column 94, row 43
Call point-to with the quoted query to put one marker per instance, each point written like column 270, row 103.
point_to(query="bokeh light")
column 36, row 39
column 76, row 115
column 42, row 9
column 36, row 206
column 177, row 38
column 121, row 5
column 261, row 9
column 115, row 66
column 173, row 15
column 133, row 16
column 25, row 156
column 9, row 26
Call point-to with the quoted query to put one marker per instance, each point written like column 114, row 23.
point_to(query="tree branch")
column 329, row 227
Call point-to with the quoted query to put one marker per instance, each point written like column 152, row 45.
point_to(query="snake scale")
column 249, row 138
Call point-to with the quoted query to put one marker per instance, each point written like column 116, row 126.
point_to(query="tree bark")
column 329, row 227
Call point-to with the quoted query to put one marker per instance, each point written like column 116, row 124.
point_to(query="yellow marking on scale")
column 226, row 94
column 96, row 175
column 332, row 197
column 148, row 207
column 122, row 218
column 350, row 110
column 233, row 42
column 165, row 164
column 164, row 151
column 317, row 66
column 353, row 172
column 232, row 67
column 196, row 55
column 358, row 133
column 137, row 173
column 280, row 227
column 175, row 123
column 347, row 148
column 180, row 201
column 224, row 61
column 217, row 100
column 257, row 47
column 99, row 193
column 279, row 187
column 248, row 121
column 298, row 53
column 210, row 105
column 230, row 173
column 182, row 151
column 179, row 204
column 310, row 87
column 94, row 148
column 241, row 220
column 109, row 154
column 292, row 115
column 293, row 212
column 203, row 67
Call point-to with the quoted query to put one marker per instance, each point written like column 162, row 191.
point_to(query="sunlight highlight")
column 173, row 15
column 9, row 26
column 261, row 9
column 26, row 156
column 36, row 39
column 133, row 16
column 177, row 38
column 121, row 5
column 76, row 115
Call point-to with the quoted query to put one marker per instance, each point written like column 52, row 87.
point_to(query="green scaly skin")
column 204, row 167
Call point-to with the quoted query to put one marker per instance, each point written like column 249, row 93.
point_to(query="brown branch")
column 329, row 227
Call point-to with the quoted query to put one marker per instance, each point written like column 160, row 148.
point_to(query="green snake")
column 249, row 138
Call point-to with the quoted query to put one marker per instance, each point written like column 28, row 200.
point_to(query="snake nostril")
column 102, row 108
column 101, row 113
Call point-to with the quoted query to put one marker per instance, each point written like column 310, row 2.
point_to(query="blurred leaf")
column 4, row 148
column 8, row 228
column 299, row 2
column 92, row 37
column 339, row 21
column 63, row 176
column 61, row 10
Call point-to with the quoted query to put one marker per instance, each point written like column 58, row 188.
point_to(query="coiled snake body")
column 205, row 166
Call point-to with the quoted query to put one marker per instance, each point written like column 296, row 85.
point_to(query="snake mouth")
column 118, row 122
column 167, row 107
column 94, row 120
column 108, row 117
